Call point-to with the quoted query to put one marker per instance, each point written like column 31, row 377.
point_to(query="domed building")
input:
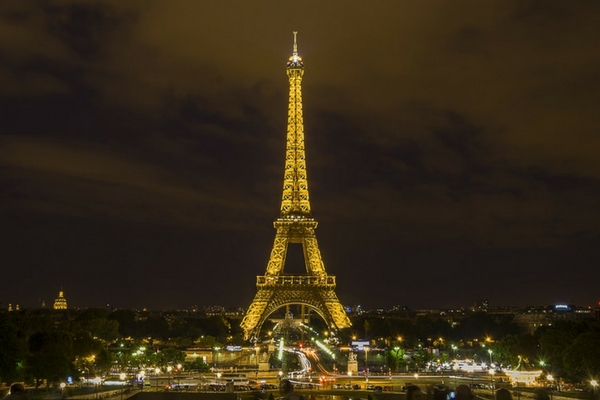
column 60, row 303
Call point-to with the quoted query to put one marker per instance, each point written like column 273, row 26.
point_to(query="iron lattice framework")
column 295, row 224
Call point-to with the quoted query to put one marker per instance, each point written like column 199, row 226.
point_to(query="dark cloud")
column 451, row 142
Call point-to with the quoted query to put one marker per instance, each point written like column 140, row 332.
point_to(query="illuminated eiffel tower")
column 295, row 225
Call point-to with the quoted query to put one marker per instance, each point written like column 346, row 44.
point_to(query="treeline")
column 44, row 345
column 567, row 350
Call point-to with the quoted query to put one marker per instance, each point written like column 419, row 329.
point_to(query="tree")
column 127, row 324
column 419, row 359
column 553, row 342
column 395, row 358
column 170, row 356
column 12, row 350
column 50, row 356
column 581, row 358
column 514, row 347
column 197, row 365
column 97, row 323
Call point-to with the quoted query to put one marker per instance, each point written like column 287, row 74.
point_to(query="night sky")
column 453, row 150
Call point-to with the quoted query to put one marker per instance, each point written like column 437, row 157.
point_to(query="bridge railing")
column 293, row 280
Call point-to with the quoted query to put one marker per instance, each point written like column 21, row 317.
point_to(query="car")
column 378, row 389
column 347, row 386
column 370, row 387
column 338, row 386
column 356, row 386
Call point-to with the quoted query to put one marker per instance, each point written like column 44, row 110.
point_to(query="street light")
column 97, row 381
column 333, row 358
column 122, row 377
column 550, row 380
column 491, row 352
column 141, row 377
column 492, row 372
column 366, row 348
column 169, row 370
column 350, row 376
column 62, row 389
column 396, row 357
column 594, row 384
column 218, row 350
column 157, row 372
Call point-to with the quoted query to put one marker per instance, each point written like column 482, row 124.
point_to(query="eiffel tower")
column 295, row 225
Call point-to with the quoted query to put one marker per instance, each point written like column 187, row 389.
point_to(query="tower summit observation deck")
column 295, row 225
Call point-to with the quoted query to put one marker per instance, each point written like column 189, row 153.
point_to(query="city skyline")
column 451, row 149
column 60, row 303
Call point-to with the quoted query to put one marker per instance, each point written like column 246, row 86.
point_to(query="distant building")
column 531, row 318
column 214, row 310
column 60, row 303
column 482, row 306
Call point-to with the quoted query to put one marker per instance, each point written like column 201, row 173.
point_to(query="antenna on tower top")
column 295, row 52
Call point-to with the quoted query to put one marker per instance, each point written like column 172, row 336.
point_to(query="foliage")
column 514, row 347
column 581, row 358
column 197, row 365
column 395, row 358
column 12, row 350
column 44, row 344
column 50, row 357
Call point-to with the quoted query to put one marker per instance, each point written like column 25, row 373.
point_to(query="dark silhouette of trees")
column 50, row 357
column 511, row 348
column 126, row 321
column 581, row 358
column 12, row 350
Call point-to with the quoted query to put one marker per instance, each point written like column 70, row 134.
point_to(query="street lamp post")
column 366, row 364
column 122, row 377
column 594, row 384
column 491, row 352
column 396, row 356
column 333, row 358
column 62, row 389
column 217, row 350
column 350, row 376
column 141, row 378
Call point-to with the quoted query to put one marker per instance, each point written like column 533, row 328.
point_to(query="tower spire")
column 295, row 60
column 295, row 51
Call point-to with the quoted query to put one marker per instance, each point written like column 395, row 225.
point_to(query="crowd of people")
column 463, row 392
